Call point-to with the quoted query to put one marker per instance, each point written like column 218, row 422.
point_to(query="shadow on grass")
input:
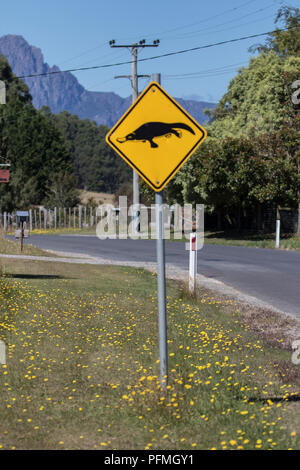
column 246, row 235
column 36, row 276
column 290, row 398
column 231, row 235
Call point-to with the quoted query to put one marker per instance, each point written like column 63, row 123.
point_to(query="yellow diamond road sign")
column 156, row 136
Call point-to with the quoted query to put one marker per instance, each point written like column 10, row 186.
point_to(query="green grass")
column 82, row 369
column 287, row 242
column 9, row 247
column 63, row 231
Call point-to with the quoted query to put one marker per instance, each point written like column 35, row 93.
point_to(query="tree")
column 284, row 43
column 255, row 101
column 251, row 157
column 31, row 143
column 62, row 190
column 96, row 165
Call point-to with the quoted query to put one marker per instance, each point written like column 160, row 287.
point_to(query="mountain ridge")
column 63, row 91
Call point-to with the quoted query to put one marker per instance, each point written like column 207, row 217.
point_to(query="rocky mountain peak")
column 63, row 91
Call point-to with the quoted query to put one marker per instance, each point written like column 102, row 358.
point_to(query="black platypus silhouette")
column 150, row 130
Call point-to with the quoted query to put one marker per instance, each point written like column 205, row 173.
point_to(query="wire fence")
column 255, row 222
column 84, row 217
column 53, row 219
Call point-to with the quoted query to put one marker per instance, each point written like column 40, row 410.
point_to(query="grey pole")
column 161, row 281
column 136, row 188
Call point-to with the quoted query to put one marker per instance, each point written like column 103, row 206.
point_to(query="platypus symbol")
column 150, row 130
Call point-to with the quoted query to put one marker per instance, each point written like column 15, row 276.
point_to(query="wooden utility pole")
column 134, row 83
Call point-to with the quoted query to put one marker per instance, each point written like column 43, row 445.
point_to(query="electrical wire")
column 159, row 56
column 162, row 33
column 216, row 70
column 204, row 30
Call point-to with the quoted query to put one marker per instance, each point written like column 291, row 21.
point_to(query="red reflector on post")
column 4, row 176
column 193, row 242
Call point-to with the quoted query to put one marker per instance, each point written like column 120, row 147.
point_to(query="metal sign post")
column 161, row 281
column 161, row 290
column 22, row 217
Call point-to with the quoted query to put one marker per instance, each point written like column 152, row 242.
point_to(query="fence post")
column 30, row 220
column 79, row 216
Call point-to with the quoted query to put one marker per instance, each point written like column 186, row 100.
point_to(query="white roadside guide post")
column 193, row 263
column 277, row 242
column 277, row 233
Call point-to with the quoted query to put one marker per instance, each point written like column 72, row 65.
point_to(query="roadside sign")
column 4, row 176
column 156, row 136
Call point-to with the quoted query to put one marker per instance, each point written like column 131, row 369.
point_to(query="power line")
column 168, row 54
column 218, row 70
column 161, row 34
column 215, row 69
column 204, row 30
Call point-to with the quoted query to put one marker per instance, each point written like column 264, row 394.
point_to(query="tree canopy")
column 96, row 165
column 251, row 157
column 31, row 143
column 284, row 43
column 256, row 99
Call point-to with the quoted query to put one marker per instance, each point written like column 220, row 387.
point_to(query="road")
column 269, row 275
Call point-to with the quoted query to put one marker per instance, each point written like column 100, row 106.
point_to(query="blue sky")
column 75, row 33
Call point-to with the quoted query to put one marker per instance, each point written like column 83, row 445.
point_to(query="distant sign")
column 22, row 213
column 4, row 176
column 156, row 136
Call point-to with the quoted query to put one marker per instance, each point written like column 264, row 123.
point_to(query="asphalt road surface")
column 272, row 276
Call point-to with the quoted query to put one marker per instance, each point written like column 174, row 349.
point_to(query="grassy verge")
column 9, row 247
column 63, row 231
column 82, row 366
column 287, row 242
